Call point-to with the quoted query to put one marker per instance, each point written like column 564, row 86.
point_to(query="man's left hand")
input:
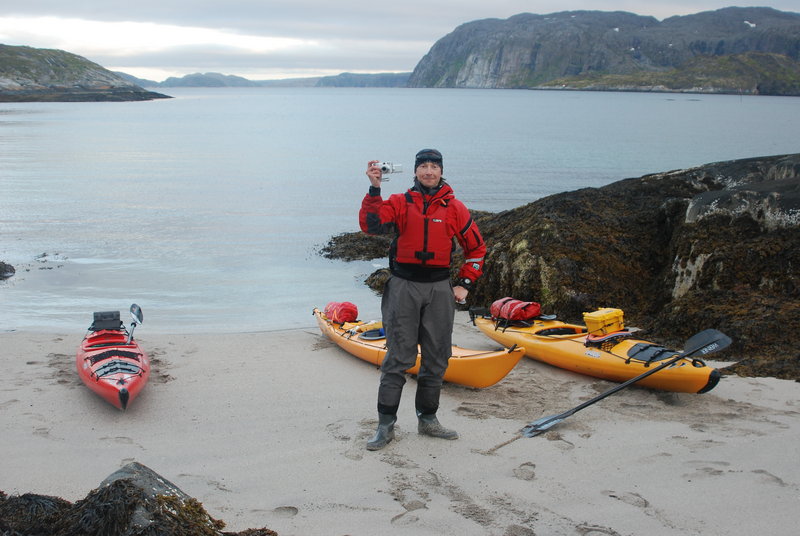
column 460, row 294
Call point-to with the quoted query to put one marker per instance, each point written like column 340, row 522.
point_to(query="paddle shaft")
column 613, row 390
column 719, row 342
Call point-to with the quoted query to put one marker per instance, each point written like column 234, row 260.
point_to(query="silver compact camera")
column 388, row 167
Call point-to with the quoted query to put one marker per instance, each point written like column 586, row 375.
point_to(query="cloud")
column 274, row 38
column 139, row 46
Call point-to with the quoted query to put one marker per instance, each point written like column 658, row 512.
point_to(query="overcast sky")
column 271, row 39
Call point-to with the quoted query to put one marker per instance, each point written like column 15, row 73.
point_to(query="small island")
column 42, row 75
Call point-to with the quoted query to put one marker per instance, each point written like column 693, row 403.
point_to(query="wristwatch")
column 465, row 282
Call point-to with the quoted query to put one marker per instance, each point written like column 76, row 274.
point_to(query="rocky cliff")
column 529, row 50
column 709, row 247
column 30, row 74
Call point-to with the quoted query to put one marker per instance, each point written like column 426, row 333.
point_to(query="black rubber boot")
column 385, row 432
column 429, row 425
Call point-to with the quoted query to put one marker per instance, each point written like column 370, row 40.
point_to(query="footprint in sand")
column 335, row 429
column 478, row 410
column 593, row 530
column 399, row 461
column 356, row 440
column 694, row 444
column 769, row 477
column 628, row 497
column 285, row 511
column 416, row 502
column 404, row 519
column 552, row 435
column 526, row 471
column 707, row 469
column 8, row 403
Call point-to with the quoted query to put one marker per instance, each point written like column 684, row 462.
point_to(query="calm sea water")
column 208, row 209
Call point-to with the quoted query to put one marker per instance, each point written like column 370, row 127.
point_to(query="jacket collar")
column 443, row 191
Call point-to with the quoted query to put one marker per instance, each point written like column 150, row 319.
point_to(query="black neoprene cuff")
column 466, row 283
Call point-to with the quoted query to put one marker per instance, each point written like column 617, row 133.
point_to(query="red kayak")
column 110, row 362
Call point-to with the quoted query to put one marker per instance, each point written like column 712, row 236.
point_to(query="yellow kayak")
column 473, row 368
column 614, row 354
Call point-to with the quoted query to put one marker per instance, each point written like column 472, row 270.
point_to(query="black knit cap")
column 428, row 155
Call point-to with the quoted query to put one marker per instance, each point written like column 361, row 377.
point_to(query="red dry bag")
column 341, row 312
column 511, row 309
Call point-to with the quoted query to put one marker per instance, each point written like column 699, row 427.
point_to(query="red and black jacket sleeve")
column 376, row 217
column 471, row 241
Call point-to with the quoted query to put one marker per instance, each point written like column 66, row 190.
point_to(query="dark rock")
column 710, row 247
column 132, row 501
column 377, row 280
column 79, row 95
column 6, row 270
column 30, row 513
column 356, row 246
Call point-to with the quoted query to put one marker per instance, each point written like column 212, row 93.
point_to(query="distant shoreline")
column 80, row 95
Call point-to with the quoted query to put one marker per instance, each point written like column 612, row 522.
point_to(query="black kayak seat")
column 106, row 320
column 372, row 335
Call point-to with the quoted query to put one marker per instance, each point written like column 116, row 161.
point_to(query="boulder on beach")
column 133, row 501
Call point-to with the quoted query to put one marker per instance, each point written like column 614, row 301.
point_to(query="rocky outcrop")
column 680, row 251
column 529, row 50
column 6, row 270
column 33, row 75
column 134, row 500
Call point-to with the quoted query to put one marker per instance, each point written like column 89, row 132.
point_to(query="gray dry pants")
column 415, row 313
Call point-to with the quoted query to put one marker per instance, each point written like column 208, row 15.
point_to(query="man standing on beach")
column 418, row 304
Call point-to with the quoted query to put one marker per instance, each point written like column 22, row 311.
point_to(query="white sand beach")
column 268, row 430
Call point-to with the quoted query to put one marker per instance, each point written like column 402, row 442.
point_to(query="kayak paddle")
column 706, row 342
column 138, row 318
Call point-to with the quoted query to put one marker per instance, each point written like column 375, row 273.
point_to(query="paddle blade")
column 706, row 342
column 542, row 425
column 137, row 314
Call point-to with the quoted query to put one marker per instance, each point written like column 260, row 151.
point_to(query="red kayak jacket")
column 425, row 228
